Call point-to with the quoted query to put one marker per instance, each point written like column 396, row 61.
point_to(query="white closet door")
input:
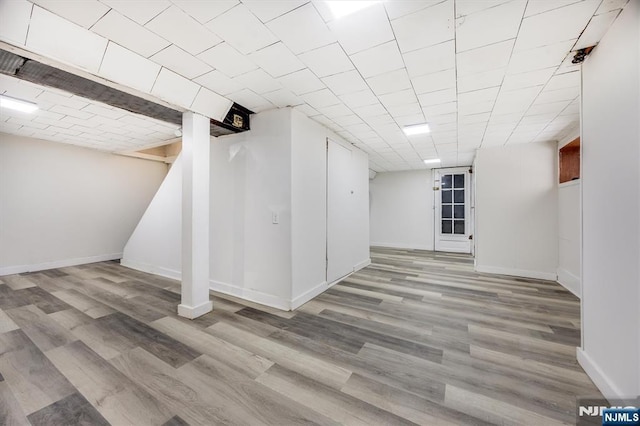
column 340, row 214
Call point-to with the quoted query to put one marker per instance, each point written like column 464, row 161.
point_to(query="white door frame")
column 456, row 243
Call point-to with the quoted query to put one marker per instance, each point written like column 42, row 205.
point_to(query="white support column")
column 195, row 216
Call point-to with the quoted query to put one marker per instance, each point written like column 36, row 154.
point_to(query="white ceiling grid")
column 480, row 72
column 67, row 118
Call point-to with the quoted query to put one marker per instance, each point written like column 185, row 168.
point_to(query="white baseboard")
column 19, row 269
column 404, row 246
column 193, row 312
column 569, row 281
column 152, row 269
column 362, row 264
column 308, row 295
column 517, row 272
column 597, row 376
column 251, row 295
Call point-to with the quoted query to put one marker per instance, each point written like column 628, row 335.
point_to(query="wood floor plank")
column 70, row 411
column 416, row 337
column 118, row 399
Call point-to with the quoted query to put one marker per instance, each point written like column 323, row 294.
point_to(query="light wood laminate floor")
column 416, row 338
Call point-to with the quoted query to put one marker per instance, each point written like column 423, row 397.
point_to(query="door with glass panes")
column 452, row 191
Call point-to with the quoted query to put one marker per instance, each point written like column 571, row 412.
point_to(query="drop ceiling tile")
column 182, row 30
column 15, row 29
column 211, row 104
column 467, row 7
column 228, row 60
column 327, row 60
column 301, row 82
column 370, row 111
column 567, row 94
column 258, row 81
column 426, row 27
column 73, row 112
column 84, row 13
column 596, row 28
column 359, row 31
column 539, row 58
column 174, row 88
column 572, row 108
column 241, row 29
column 268, row 10
column 475, row 108
column 56, row 99
column 277, row 60
column 484, row 58
column 481, row 80
column 181, row 62
column 129, row 34
column 527, row 79
column 334, row 112
column 403, row 97
column 563, row 81
column 140, row 11
column 476, row 96
column 435, row 81
column 398, row 8
column 60, row 39
column 343, row 119
column 378, row 60
column 609, row 5
column 250, row 100
column 489, row 26
column 320, row 98
column 475, row 118
column 393, row 81
column 515, row 100
column 409, row 120
column 302, row 29
column 307, row 110
column 437, row 97
column 282, row 98
column 140, row 73
column 537, row 7
column 431, row 59
column 346, row 82
column 562, row 24
column 404, row 109
column 218, row 82
column 103, row 111
column 359, row 99
column 204, row 11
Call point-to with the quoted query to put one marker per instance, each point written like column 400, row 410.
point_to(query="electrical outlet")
column 275, row 218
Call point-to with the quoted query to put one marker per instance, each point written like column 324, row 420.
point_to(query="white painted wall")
column 610, row 142
column 402, row 210
column 569, row 232
column 155, row 245
column 63, row 205
column 516, row 226
column 278, row 167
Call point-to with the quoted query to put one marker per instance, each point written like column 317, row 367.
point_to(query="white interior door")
column 340, row 213
column 453, row 224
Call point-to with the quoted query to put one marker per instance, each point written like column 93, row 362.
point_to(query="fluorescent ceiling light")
column 17, row 104
column 417, row 129
column 345, row 7
column 432, row 161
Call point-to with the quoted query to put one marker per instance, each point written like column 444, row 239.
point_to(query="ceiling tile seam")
column 552, row 120
column 26, row 36
column 557, row 8
column 513, row 46
column 395, row 39
column 109, row 9
column 483, row 10
column 276, row 17
column 156, row 15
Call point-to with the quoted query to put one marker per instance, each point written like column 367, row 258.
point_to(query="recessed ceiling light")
column 342, row 8
column 17, row 104
column 416, row 129
column 432, row 161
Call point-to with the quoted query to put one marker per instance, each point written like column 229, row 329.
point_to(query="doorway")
column 452, row 203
